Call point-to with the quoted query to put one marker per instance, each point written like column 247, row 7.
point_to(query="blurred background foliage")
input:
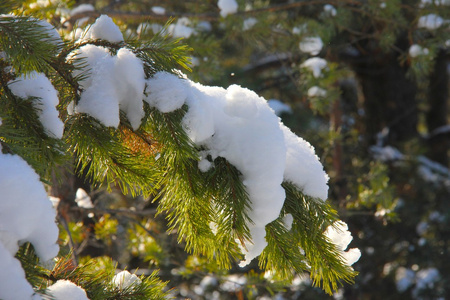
column 377, row 114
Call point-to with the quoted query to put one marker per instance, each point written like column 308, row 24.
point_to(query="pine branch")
column 311, row 217
column 27, row 44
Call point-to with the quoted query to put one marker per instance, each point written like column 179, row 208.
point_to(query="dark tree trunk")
column 438, row 93
column 389, row 99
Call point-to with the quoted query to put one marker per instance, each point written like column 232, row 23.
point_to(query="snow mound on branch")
column 240, row 126
column 13, row 284
column 114, row 83
column 104, row 29
column 39, row 86
column 67, row 290
column 341, row 237
column 125, row 279
column 26, row 215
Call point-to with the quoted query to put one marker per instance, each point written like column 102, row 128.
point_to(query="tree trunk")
column 439, row 140
column 389, row 99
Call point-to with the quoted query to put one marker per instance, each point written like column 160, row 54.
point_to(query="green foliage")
column 28, row 45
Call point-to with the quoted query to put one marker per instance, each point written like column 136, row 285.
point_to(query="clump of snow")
column 424, row 3
column 311, row 45
column 182, row 28
column 330, row 10
column 404, row 278
column 13, row 284
column 26, row 215
column 66, row 290
column 125, row 279
column 303, row 167
column 316, row 91
column 416, row 50
column 279, row 107
column 430, row 22
column 158, row 10
column 39, row 86
column 340, row 236
column 233, row 283
column 249, row 23
column 422, row 279
column 227, row 7
column 426, row 278
column 315, row 65
column 82, row 199
column 105, row 29
column 207, row 282
column 82, row 8
column 387, row 153
column 115, row 82
column 166, row 92
column 145, row 27
column 238, row 125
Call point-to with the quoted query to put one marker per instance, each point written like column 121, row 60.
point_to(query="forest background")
column 365, row 82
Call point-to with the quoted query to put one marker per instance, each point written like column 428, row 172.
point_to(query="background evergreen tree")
column 130, row 168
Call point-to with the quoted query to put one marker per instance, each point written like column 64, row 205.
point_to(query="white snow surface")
column 430, row 22
column 82, row 199
column 114, row 82
column 227, row 7
column 238, row 125
column 105, row 29
column 315, row 65
column 67, row 290
column 26, row 215
column 82, row 8
column 182, row 28
column 158, row 10
column 13, row 284
column 330, row 10
column 316, row 91
column 249, row 23
column 341, row 237
column 404, row 278
column 416, row 50
column 38, row 85
column 25, row 199
column 311, row 45
column 125, row 279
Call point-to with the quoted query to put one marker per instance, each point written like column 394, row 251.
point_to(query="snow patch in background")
column 416, row 50
column 316, row 91
column 316, row 65
column 430, row 22
column 227, row 7
column 158, row 10
column 311, row 45
column 279, row 107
